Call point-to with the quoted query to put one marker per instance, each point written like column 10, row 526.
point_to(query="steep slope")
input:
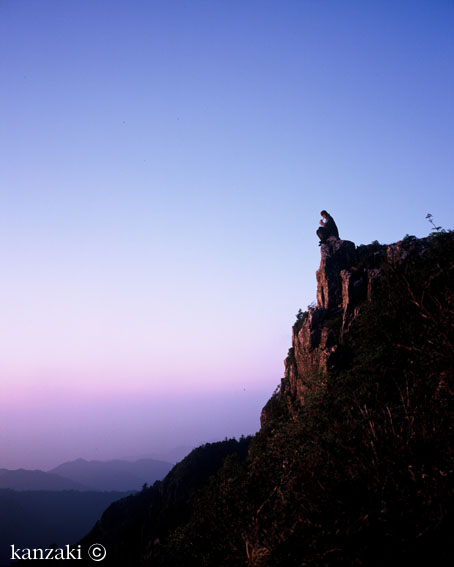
column 132, row 528
column 365, row 414
column 349, row 279
column 353, row 464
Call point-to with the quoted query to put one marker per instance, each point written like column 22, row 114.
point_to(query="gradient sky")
column 162, row 169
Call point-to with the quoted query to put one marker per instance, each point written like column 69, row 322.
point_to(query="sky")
column 163, row 165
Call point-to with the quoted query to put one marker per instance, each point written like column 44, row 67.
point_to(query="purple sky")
column 163, row 165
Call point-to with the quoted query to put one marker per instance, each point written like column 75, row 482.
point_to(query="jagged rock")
column 342, row 287
column 336, row 255
column 399, row 251
column 371, row 277
column 312, row 344
column 346, row 278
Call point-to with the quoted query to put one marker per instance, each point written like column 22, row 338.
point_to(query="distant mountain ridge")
column 115, row 475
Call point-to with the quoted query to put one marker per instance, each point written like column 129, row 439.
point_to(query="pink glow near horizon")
column 42, row 428
column 48, row 418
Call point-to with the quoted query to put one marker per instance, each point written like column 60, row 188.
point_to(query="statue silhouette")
column 328, row 227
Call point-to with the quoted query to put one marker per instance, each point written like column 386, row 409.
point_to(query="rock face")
column 316, row 335
column 344, row 281
column 337, row 255
column 346, row 278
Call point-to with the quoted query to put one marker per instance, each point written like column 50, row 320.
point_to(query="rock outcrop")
column 346, row 278
column 342, row 285
column 337, row 255
column 317, row 333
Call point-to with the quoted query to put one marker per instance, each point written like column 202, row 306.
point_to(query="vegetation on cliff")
column 358, row 471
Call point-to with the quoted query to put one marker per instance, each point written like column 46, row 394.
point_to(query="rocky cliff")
column 346, row 279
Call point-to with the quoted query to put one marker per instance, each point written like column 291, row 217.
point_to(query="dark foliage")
column 133, row 529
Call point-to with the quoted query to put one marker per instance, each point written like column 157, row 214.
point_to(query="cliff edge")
column 347, row 279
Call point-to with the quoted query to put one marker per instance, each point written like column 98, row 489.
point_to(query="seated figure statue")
column 328, row 227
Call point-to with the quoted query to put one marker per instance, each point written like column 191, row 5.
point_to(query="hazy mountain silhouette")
column 113, row 475
column 22, row 479
column 40, row 509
